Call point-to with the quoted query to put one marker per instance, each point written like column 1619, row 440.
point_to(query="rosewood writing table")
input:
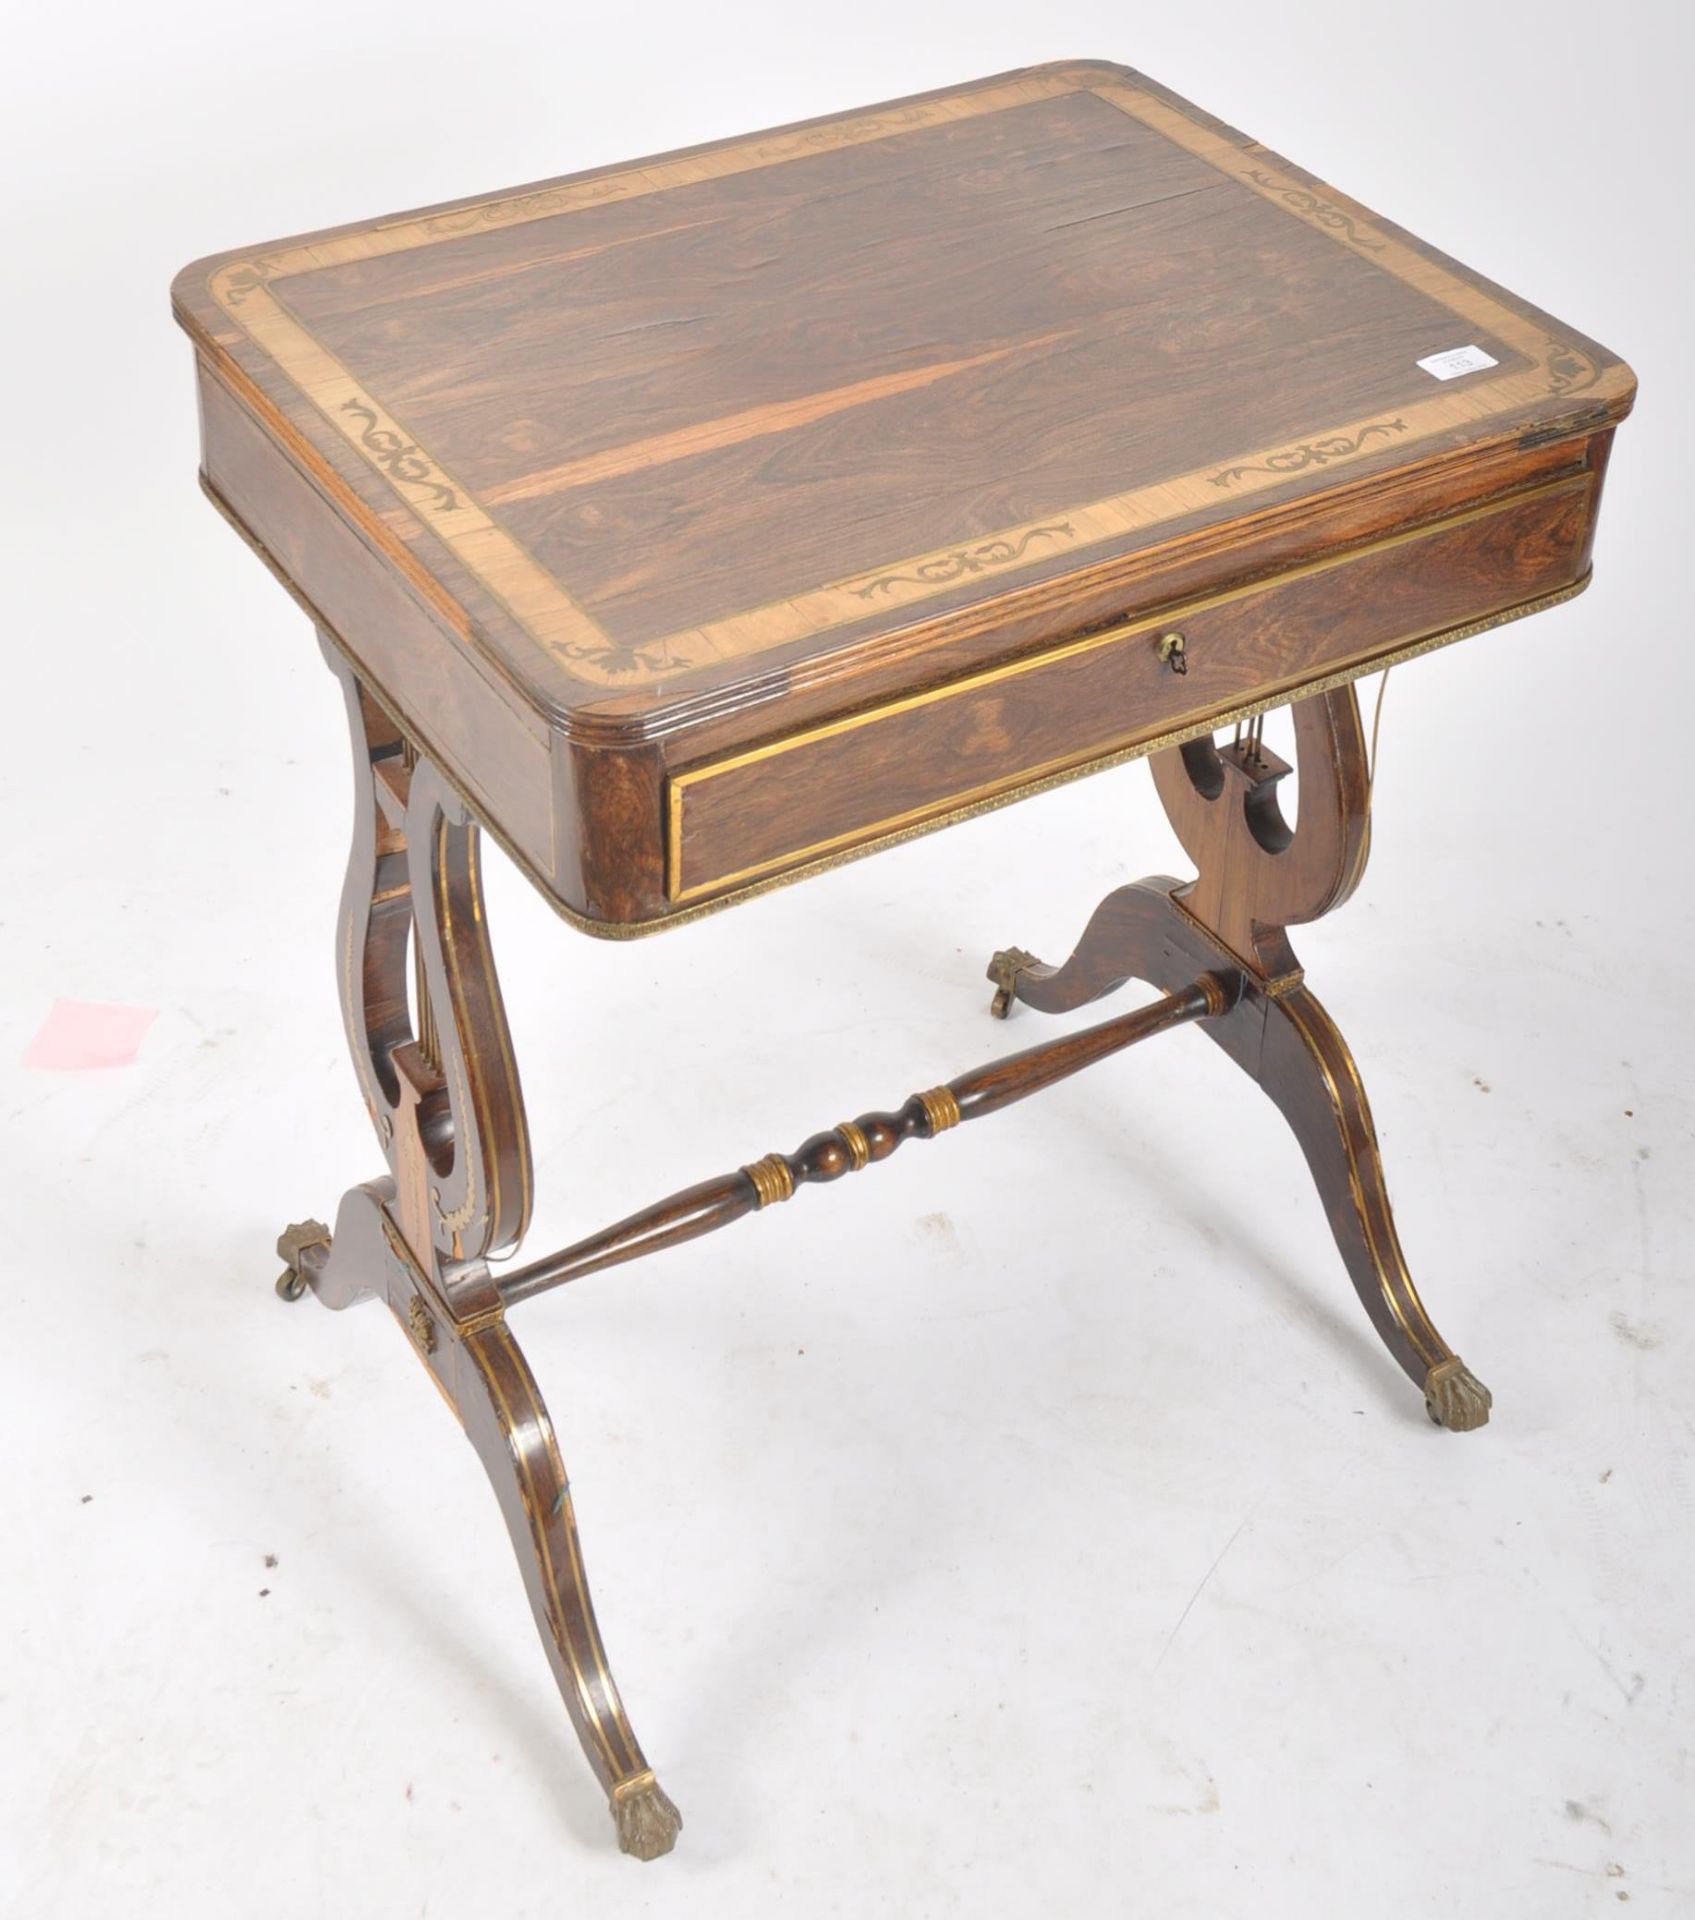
column 694, row 523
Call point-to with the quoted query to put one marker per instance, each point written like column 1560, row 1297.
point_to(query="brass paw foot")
column 1004, row 970
column 292, row 1243
column 648, row 1822
column 1455, row 1397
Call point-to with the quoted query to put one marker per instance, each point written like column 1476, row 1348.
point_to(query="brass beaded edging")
column 1063, row 776
column 1128, row 628
column 1037, row 780
column 859, row 1148
column 769, row 883
column 941, row 1108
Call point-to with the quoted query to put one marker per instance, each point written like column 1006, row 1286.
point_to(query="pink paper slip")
column 88, row 1033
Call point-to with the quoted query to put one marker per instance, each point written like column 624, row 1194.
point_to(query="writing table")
column 695, row 523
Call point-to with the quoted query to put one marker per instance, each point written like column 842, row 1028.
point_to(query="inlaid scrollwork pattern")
column 984, row 557
column 1312, row 453
column 1324, row 213
column 400, row 458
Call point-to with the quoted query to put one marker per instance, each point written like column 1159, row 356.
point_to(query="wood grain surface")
column 1107, row 692
column 602, row 480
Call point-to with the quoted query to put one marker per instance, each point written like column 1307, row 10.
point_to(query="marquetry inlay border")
column 682, row 786
column 543, row 607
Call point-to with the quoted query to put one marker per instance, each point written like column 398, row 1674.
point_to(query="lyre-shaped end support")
column 434, row 1058
column 422, row 1003
column 1255, row 874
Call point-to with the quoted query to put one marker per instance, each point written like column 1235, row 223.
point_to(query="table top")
column 660, row 429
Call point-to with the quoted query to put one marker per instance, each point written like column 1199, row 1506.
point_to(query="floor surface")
column 1033, row 1525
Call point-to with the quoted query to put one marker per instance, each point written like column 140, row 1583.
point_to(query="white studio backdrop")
column 1038, row 1527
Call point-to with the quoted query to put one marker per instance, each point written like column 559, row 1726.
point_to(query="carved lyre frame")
column 1256, row 877
column 434, row 1058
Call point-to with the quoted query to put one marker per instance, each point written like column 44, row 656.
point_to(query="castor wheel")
column 1004, row 970
column 293, row 1282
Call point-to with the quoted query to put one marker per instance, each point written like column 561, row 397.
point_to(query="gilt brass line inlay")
column 603, row 1711
column 713, row 896
column 689, row 778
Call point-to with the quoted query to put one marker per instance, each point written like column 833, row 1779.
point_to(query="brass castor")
column 1004, row 970
column 293, row 1282
column 645, row 1815
column 1455, row 1398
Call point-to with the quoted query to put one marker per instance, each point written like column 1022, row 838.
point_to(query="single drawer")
column 1107, row 695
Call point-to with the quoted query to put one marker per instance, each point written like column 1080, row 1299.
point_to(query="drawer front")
column 1107, row 695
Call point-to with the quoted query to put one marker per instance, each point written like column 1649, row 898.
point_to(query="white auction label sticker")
column 1457, row 360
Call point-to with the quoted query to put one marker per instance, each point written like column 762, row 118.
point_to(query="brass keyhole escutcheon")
column 1174, row 651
